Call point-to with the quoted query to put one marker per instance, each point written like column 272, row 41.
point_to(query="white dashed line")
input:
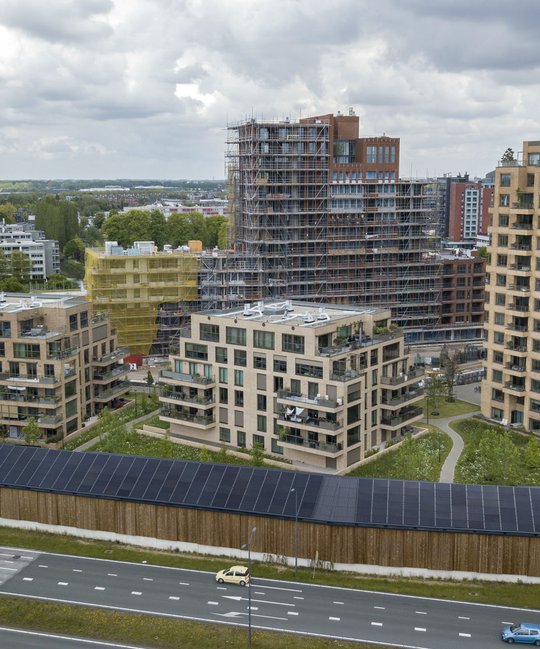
column 296, row 597
column 174, row 598
column 380, row 608
column 99, row 588
column 63, row 583
column 335, row 619
column 507, row 623
column 420, row 628
column 464, row 635
column 147, row 579
column 76, row 570
column 40, row 565
column 28, row 579
column 421, row 612
column 221, row 588
column 462, row 617
column 338, row 602
column 23, row 557
column 376, row 624
column 183, row 583
column 112, row 574
column 293, row 613
column 257, row 592
column 213, row 603
column 136, row 592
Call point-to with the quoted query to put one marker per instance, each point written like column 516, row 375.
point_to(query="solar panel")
column 320, row 498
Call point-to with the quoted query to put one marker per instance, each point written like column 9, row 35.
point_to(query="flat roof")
column 331, row 500
column 15, row 302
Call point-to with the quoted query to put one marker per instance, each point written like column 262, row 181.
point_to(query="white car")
column 234, row 575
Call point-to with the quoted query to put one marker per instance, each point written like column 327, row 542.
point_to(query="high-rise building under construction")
column 321, row 214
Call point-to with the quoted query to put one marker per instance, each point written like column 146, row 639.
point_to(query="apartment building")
column 44, row 254
column 317, row 384
column 321, row 214
column 59, row 364
column 511, row 388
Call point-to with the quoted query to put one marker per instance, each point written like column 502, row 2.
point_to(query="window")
column 258, row 440
column 505, row 180
column 84, row 319
column 498, row 337
column 239, row 377
column 209, row 332
column 223, row 395
column 280, row 365
column 276, row 448
column 241, row 439
column 503, row 220
column 200, row 352
column 534, row 159
column 261, row 423
column 303, row 369
column 2, row 349
column 497, row 357
column 221, row 355
column 500, row 299
column 290, row 343
column 240, row 357
column 497, row 376
column 5, row 329
column 353, row 414
column 261, row 402
column 224, row 434
column 263, row 339
column 296, row 386
column 499, row 318
column 236, row 336
column 504, row 200
column 223, row 375
column 239, row 398
column 73, row 322
column 259, row 362
column 353, row 435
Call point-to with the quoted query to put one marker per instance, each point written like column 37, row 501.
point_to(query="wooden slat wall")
column 487, row 553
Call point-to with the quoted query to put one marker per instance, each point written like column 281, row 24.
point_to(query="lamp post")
column 293, row 491
column 248, row 547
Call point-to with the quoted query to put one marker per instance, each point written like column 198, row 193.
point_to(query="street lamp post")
column 248, row 547
column 293, row 490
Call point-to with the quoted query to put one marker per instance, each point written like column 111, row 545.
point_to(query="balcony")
column 105, row 377
column 309, row 422
column 30, row 398
column 202, row 421
column 516, row 348
column 112, row 392
column 319, row 401
column 29, row 378
column 107, row 359
column 519, row 307
column 179, row 377
column 519, row 287
column 413, row 373
column 521, row 246
column 401, row 399
column 515, row 327
column 63, row 353
column 186, row 398
column 515, row 367
column 514, row 387
column 325, row 447
column 399, row 419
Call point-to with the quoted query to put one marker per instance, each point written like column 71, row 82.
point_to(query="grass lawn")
column 447, row 409
column 469, row 469
column 419, row 458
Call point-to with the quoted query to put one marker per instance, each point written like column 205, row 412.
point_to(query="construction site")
column 321, row 214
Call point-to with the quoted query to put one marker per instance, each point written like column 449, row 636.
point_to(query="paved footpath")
column 449, row 466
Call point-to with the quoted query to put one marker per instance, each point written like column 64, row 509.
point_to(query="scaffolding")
column 148, row 296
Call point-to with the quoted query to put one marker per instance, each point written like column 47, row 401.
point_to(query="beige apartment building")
column 59, row 364
column 511, row 388
column 315, row 384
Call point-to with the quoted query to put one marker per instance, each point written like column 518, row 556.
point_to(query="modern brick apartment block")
column 317, row 384
column 511, row 389
column 463, row 282
column 59, row 364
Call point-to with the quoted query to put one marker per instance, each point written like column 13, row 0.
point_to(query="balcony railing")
column 21, row 396
column 396, row 401
column 63, row 353
column 315, row 401
column 202, row 420
column 398, row 419
column 514, row 367
column 113, row 391
column 412, row 373
column 112, row 356
column 186, row 378
column 320, row 446
column 182, row 396
column 105, row 376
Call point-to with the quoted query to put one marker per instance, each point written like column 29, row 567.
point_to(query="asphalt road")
column 392, row 620
column 21, row 639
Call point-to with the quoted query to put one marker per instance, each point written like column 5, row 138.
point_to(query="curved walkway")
column 449, row 466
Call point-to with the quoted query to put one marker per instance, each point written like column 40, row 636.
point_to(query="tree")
column 7, row 212
column 223, row 235
column 128, row 227
column 449, row 365
column 158, row 230
column 74, row 249
column 435, row 391
column 508, row 155
column 31, row 431
column 212, row 227
column 21, row 266
column 178, row 230
column 5, row 265
column 58, row 219
column 13, row 285
column 532, row 454
column 149, row 379
column 257, row 455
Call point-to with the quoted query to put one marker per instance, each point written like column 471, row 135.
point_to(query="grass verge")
column 448, row 409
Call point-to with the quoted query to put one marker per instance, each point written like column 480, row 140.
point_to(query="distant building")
column 318, row 384
column 60, row 364
column 44, row 254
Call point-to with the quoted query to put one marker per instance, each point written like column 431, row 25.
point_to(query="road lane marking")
column 376, row 624
column 239, row 598
column 381, row 608
column 421, row 612
column 334, row 619
column 462, row 617
column 296, row 597
column 253, row 608
column 112, row 574
column 293, row 613
column 28, row 579
column 147, row 579
column 338, row 602
column 136, row 592
column 41, row 565
column 221, row 588
column 213, row 603
column 63, row 583
column 99, row 588
column 290, row 590
column 67, row 637
column 510, row 623
column 464, row 635
column 76, row 570
column 257, row 592
column 10, row 569
column 183, row 583
column 174, row 597
column 420, row 628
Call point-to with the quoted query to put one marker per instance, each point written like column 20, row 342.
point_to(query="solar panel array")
column 271, row 492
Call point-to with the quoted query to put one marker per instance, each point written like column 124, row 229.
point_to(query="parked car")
column 524, row 632
column 234, row 575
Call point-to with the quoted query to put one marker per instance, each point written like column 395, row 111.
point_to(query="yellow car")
column 234, row 575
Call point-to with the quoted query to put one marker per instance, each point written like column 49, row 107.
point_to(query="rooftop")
column 15, row 302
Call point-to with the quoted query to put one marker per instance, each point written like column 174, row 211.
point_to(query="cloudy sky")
column 146, row 88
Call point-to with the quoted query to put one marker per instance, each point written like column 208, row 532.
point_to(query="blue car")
column 524, row 633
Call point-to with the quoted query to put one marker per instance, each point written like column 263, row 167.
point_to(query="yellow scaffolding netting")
column 131, row 289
